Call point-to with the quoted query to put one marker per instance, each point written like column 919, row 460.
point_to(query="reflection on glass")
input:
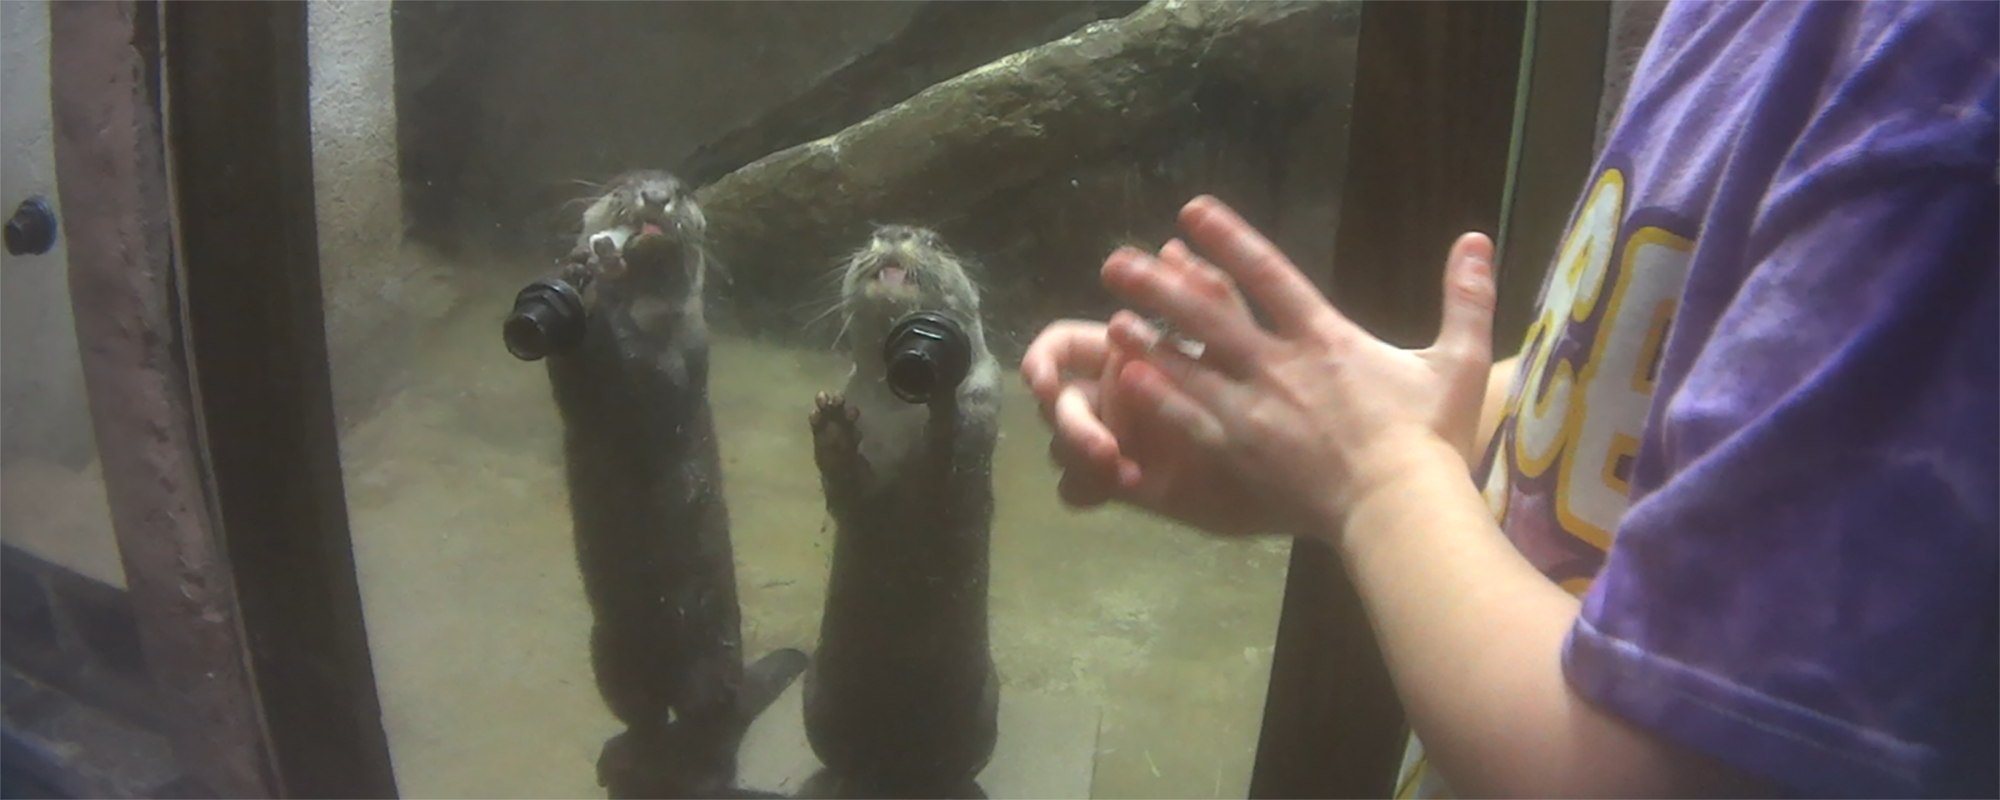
column 52, row 501
column 523, row 401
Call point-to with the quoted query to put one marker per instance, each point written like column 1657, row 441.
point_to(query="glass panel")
column 457, row 148
column 52, row 501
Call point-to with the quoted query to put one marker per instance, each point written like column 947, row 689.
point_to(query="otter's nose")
column 656, row 196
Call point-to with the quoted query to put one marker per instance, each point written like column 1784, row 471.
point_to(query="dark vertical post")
column 439, row 49
column 241, row 148
column 1432, row 118
column 1565, row 87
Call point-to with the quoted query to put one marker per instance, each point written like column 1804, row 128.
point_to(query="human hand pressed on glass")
column 1274, row 430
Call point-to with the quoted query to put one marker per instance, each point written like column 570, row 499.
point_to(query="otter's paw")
column 835, row 432
column 769, row 676
column 836, row 437
column 636, row 766
column 604, row 246
column 606, row 259
column 576, row 271
column 617, row 764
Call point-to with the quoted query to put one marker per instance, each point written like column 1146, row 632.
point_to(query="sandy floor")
column 478, row 624
column 61, row 515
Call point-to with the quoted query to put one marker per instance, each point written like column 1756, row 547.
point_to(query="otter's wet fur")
column 902, row 697
column 646, row 500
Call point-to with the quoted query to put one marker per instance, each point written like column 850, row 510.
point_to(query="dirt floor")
column 60, row 514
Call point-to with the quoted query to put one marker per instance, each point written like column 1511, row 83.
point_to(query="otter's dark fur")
column 645, row 485
column 902, row 698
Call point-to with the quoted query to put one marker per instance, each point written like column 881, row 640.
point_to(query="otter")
column 902, row 696
column 645, row 486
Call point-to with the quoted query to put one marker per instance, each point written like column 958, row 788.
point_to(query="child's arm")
column 1807, row 596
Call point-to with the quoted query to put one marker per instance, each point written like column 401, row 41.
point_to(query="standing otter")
column 645, row 487
column 902, row 698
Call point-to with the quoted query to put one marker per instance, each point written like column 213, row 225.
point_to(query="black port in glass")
column 32, row 229
column 548, row 318
column 927, row 353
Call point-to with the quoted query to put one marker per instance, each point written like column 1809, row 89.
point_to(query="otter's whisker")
column 830, row 279
column 831, row 309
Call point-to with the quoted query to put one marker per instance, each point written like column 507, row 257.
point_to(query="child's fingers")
column 1065, row 346
column 1466, row 332
column 1076, row 425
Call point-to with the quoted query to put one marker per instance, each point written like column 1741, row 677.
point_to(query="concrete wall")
column 377, row 292
column 52, row 500
column 512, row 105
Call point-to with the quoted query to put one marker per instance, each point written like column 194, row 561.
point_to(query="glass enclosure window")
column 52, row 501
column 456, row 150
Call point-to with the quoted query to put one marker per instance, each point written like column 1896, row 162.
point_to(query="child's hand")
column 1305, row 420
column 1132, row 458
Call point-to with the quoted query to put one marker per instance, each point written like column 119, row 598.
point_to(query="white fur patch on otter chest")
column 891, row 430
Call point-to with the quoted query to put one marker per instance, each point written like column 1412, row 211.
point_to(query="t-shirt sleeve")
column 1810, row 593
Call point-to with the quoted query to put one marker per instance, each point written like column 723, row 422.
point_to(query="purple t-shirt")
column 1766, row 366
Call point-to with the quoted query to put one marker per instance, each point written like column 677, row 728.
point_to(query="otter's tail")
column 768, row 677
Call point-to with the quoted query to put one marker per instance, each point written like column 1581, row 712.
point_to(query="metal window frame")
column 247, row 234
